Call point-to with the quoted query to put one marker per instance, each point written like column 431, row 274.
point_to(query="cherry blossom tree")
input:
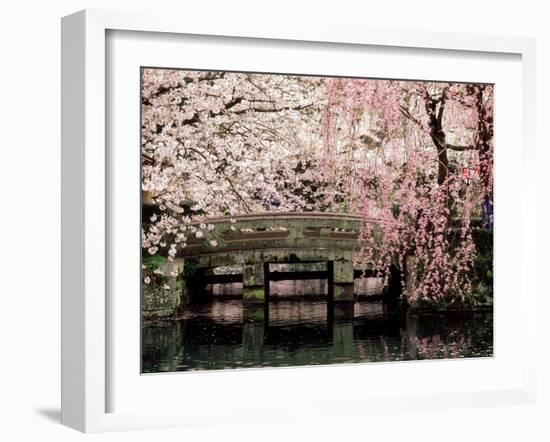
column 427, row 133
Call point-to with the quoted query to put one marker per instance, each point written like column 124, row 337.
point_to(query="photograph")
column 230, row 221
column 301, row 220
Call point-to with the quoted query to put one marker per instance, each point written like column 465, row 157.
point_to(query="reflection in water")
column 221, row 335
column 290, row 289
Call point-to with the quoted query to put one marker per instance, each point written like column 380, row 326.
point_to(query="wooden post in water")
column 267, row 279
column 344, row 298
column 255, row 307
column 330, row 293
column 343, row 281
column 330, row 280
column 253, row 283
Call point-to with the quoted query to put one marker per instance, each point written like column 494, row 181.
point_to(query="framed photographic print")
column 292, row 219
column 251, row 213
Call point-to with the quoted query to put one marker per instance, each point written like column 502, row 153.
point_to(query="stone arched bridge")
column 255, row 241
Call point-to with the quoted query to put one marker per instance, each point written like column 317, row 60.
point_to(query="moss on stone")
column 253, row 294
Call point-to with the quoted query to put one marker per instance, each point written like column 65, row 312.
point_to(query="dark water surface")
column 220, row 335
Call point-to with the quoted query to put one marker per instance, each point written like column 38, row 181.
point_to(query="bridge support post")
column 343, row 281
column 342, row 339
column 253, row 283
column 253, row 340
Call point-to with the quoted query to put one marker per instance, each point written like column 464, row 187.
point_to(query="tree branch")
column 237, row 194
column 405, row 112
column 256, row 109
column 459, row 148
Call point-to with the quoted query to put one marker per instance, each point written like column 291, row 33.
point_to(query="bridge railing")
column 274, row 230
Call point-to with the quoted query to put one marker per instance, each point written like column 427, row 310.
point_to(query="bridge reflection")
column 219, row 335
column 295, row 332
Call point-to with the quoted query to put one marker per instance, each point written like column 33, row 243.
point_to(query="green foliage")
column 152, row 263
column 482, row 295
column 154, row 294
column 189, row 268
column 483, row 268
column 192, row 275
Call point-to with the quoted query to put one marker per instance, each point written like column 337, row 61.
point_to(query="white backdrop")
column 30, row 219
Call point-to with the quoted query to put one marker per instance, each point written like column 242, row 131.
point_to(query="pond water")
column 221, row 335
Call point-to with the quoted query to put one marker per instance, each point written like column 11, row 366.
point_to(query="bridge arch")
column 254, row 241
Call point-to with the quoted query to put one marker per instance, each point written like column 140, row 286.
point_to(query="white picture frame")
column 86, row 315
